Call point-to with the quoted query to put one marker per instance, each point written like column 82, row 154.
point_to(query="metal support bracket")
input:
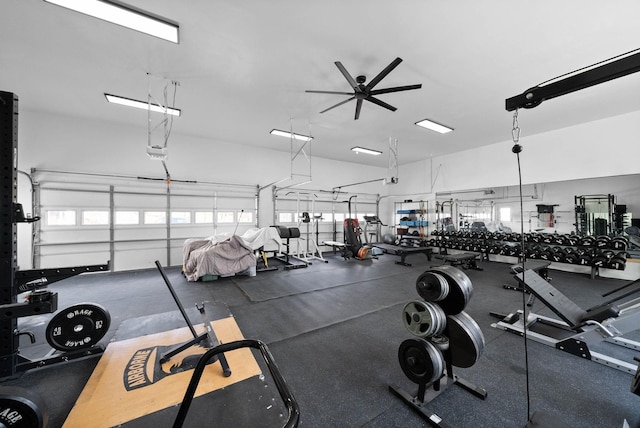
column 533, row 97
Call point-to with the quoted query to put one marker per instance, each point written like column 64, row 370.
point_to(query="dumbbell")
column 603, row 241
column 619, row 243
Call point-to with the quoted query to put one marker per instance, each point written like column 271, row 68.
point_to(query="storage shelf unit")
column 410, row 220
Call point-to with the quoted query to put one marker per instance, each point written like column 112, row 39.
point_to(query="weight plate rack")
column 446, row 336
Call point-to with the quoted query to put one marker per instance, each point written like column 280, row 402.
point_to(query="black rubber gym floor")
column 334, row 331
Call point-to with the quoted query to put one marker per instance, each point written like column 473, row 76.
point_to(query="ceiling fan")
column 362, row 92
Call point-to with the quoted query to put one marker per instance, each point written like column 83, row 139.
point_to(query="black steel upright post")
column 8, row 229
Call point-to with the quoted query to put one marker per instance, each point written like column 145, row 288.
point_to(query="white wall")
column 603, row 148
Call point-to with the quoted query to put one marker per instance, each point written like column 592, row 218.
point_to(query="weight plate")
column 420, row 361
column 424, row 319
column 466, row 341
column 78, row 327
column 460, row 289
column 441, row 342
column 432, row 286
column 20, row 408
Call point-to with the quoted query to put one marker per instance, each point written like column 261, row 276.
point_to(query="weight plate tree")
column 79, row 326
column 447, row 337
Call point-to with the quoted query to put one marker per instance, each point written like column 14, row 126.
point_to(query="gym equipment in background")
column 362, row 92
column 316, row 253
column 602, row 323
column 372, row 237
column 290, row 261
column 446, row 337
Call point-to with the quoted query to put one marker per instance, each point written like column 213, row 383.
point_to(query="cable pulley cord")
column 517, row 148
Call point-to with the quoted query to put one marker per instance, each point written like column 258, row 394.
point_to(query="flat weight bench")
column 465, row 260
column 403, row 252
column 605, row 322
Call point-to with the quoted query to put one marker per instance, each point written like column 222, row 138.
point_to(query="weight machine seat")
column 560, row 304
column 288, row 232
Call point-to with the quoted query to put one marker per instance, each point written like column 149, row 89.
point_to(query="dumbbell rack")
column 591, row 251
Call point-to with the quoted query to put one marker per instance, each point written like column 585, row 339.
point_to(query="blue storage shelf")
column 414, row 223
column 411, row 212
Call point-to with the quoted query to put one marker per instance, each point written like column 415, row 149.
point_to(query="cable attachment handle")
column 515, row 133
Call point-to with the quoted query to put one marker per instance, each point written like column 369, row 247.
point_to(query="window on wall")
column 225, row 217
column 203, row 217
column 180, row 217
column 245, row 217
column 61, row 218
column 155, row 217
column 127, row 217
column 95, row 218
column 324, row 217
column 285, row 218
column 505, row 214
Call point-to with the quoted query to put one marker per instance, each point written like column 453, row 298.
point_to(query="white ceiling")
column 243, row 67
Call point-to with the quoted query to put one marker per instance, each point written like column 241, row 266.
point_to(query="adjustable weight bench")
column 606, row 322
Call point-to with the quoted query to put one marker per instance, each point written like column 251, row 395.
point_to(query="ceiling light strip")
column 115, row 99
column 124, row 16
column 290, row 135
column 429, row 124
column 366, row 151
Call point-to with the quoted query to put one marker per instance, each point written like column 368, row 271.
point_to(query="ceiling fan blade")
column 358, row 107
column 395, row 89
column 330, row 92
column 339, row 104
column 347, row 76
column 381, row 103
column 384, row 72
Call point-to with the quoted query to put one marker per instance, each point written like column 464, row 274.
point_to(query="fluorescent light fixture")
column 141, row 105
column 366, row 151
column 429, row 124
column 123, row 15
column 290, row 135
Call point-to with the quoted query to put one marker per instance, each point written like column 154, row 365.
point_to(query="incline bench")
column 605, row 322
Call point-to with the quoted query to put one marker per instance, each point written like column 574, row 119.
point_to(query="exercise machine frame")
column 577, row 338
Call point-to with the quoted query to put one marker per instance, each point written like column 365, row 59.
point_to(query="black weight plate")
column 78, row 327
column 432, row 286
column 460, row 289
column 20, row 408
column 420, row 361
column 466, row 341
